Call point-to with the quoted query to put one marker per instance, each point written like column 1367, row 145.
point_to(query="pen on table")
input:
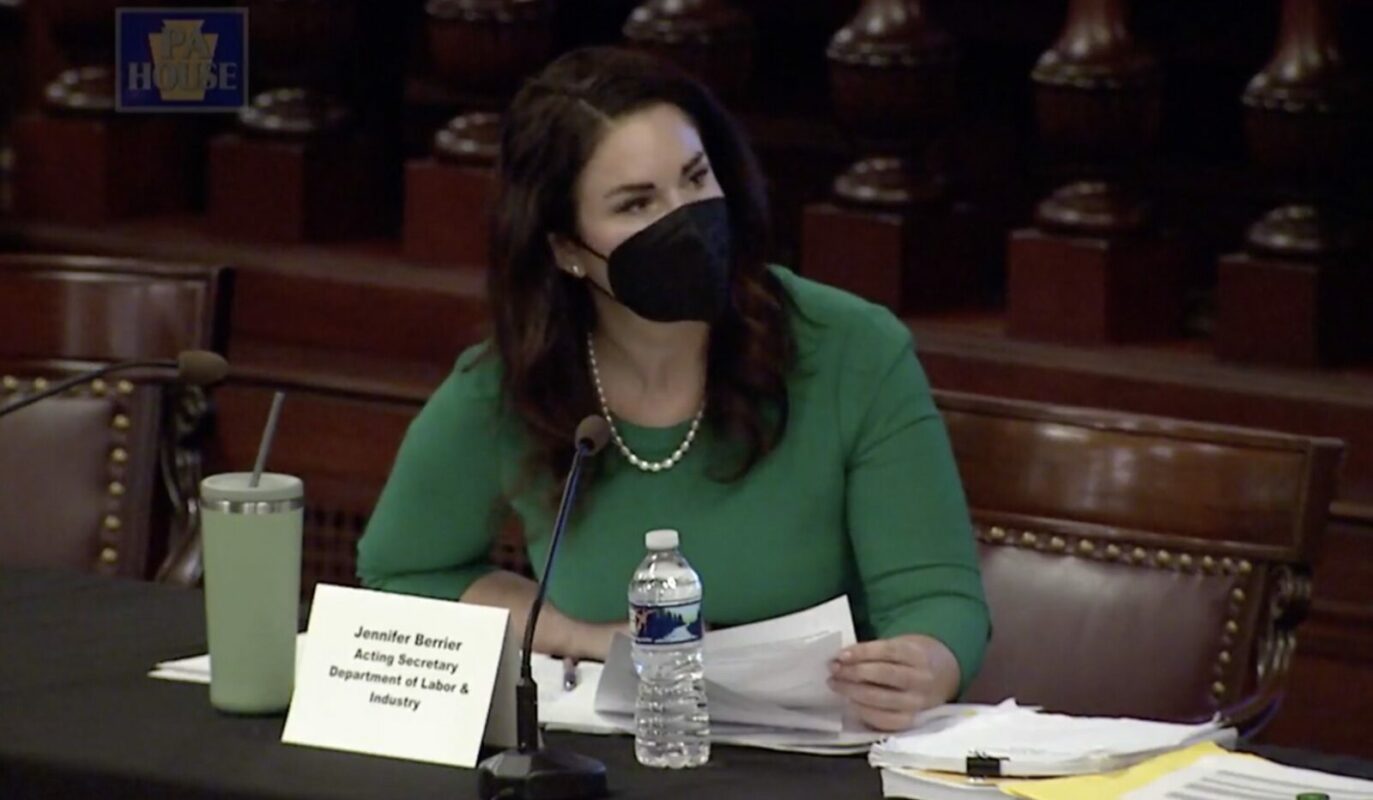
column 569, row 673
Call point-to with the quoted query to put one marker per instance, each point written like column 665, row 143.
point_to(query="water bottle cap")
column 661, row 540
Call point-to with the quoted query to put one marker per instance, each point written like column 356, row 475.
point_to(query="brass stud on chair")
column 1224, row 657
column 39, row 384
column 1208, row 564
column 1232, row 627
column 1164, row 558
column 1245, row 567
column 109, row 555
column 119, row 455
column 9, row 383
column 1227, row 565
column 116, row 489
column 1237, row 595
column 1140, row 555
column 124, row 387
column 997, row 534
column 1057, row 543
column 1112, row 551
column 121, row 422
column 1028, row 539
column 1185, row 561
column 99, row 387
column 112, row 522
column 1086, row 547
column 1218, row 688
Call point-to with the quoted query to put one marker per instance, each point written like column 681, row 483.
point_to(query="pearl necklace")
column 647, row 466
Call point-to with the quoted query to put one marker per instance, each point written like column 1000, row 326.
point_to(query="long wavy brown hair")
column 541, row 315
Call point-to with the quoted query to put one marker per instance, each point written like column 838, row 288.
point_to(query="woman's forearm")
column 556, row 634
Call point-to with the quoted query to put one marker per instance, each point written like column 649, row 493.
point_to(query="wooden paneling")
column 1330, row 697
column 415, row 323
column 972, row 353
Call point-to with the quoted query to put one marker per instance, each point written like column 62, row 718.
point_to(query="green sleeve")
column 431, row 531
column 907, row 516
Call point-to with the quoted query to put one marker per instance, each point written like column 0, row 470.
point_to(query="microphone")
column 530, row 772
column 593, row 433
column 200, row 367
column 193, row 367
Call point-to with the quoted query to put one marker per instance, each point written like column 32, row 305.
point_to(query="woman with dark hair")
column 785, row 428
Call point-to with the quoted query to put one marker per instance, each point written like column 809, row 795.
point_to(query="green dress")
column 861, row 496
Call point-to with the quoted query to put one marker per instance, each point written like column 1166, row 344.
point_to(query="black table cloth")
column 80, row 718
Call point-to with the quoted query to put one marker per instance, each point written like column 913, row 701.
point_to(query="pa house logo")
column 181, row 59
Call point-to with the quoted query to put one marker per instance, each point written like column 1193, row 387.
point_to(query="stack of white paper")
column 1029, row 743
column 918, row 784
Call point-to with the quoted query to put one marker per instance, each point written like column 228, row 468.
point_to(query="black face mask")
column 676, row 269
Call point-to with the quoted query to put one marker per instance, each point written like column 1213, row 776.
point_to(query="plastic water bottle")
column 671, row 722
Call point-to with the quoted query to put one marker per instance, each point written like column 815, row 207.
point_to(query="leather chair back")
column 1137, row 565
column 79, row 475
column 103, row 477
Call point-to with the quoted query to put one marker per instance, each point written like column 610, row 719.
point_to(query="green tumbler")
column 252, row 537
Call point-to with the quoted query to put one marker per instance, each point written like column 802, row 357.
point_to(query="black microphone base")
column 540, row 775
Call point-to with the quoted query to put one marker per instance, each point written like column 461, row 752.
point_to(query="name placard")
column 405, row 677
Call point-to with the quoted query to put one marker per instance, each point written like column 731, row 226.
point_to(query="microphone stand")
column 530, row 772
column 75, row 380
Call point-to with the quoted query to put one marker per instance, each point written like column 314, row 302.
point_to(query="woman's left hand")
column 889, row 681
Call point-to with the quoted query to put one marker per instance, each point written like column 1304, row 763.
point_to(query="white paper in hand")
column 790, row 673
column 769, row 675
column 766, row 684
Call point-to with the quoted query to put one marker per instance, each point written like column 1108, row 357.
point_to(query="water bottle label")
column 666, row 624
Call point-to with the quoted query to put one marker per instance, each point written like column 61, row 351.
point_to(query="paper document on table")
column 1200, row 772
column 1110, row 785
column 574, row 709
column 193, row 669
column 1014, row 740
column 1236, row 777
column 196, row 669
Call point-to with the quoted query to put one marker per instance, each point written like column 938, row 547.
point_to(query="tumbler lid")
column 233, row 486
